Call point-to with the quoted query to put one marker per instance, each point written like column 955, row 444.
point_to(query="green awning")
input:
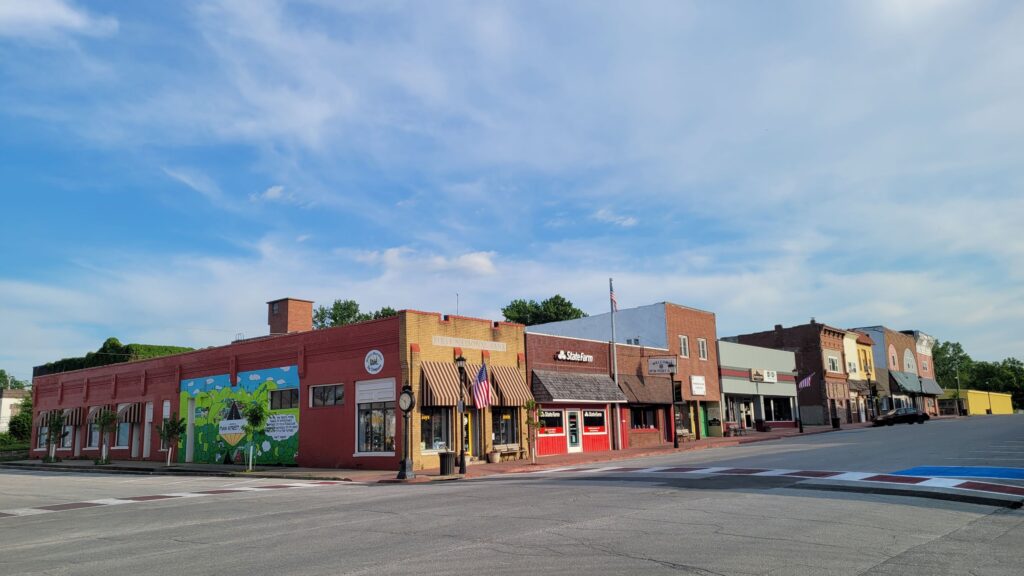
column 929, row 386
column 908, row 382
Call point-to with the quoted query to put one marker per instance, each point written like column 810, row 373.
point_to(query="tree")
column 950, row 359
column 20, row 425
column 106, row 421
column 532, row 424
column 343, row 312
column 54, row 433
column 255, row 415
column 169, row 431
column 531, row 312
column 9, row 382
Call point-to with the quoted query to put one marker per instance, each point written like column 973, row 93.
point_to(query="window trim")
column 298, row 401
column 335, row 404
column 684, row 345
column 375, row 392
column 829, row 362
column 446, row 429
column 702, row 348
column 126, row 446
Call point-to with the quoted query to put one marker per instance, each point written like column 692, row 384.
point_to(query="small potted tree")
column 106, row 421
column 532, row 424
column 255, row 420
column 54, row 434
column 169, row 431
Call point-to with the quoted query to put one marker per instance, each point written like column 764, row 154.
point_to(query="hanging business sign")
column 763, row 375
column 570, row 356
column 664, row 365
column 697, row 386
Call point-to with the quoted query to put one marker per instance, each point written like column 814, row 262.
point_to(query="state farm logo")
column 567, row 356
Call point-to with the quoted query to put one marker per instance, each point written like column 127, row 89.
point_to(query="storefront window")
column 644, row 417
column 377, row 427
column 505, row 425
column 333, row 395
column 69, row 437
column 777, row 409
column 123, row 430
column 434, row 428
column 593, row 422
column 41, row 437
column 551, row 422
column 94, row 436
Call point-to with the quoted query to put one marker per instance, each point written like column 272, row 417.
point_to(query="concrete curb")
column 166, row 472
column 948, row 494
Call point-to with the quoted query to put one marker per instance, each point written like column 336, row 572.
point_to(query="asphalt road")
column 539, row 523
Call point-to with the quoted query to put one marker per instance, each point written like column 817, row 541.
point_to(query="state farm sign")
column 569, row 356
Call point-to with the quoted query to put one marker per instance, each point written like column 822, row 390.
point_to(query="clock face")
column 405, row 401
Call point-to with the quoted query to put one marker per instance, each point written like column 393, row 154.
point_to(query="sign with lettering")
column 374, row 361
column 593, row 421
column 763, row 375
column 697, row 386
column 569, row 356
column 664, row 365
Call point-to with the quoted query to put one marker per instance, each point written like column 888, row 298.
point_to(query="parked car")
column 901, row 415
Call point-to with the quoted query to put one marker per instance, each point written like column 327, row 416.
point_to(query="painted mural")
column 219, row 430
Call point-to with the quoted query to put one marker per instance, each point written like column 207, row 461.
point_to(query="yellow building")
column 430, row 345
column 978, row 402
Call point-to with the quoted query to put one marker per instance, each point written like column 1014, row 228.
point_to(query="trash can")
column 447, row 463
column 759, row 424
column 835, row 423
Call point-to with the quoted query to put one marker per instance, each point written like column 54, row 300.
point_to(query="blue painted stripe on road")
column 964, row 472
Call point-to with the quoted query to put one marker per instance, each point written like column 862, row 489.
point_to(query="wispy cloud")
column 43, row 19
column 610, row 217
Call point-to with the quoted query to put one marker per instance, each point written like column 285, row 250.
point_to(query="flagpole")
column 615, row 365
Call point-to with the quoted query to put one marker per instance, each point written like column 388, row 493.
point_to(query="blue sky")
column 166, row 168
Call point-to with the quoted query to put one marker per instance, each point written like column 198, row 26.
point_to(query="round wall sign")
column 374, row 362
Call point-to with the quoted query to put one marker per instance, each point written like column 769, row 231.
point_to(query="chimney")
column 289, row 315
column 778, row 327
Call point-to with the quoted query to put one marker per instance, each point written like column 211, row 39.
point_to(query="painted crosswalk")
column 235, row 489
column 867, row 478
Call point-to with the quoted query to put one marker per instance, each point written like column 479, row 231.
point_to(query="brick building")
column 686, row 333
column 758, row 387
column 819, row 354
column 897, row 363
column 331, row 394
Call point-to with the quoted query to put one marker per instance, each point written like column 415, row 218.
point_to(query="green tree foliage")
column 343, row 312
column 530, row 312
column 20, row 426
column 106, row 421
column 1006, row 376
column 9, row 382
column 169, row 430
column 54, row 434
column 255, row 415
column 111, row 352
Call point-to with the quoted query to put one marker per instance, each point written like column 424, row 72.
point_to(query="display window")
column 551, row 423
column 594, row 422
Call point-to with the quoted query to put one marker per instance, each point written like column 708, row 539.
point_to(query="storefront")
column 648, row 409
column 758, row 387
column 574, row 411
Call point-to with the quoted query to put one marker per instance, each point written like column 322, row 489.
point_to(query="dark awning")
column 551, row 386
column 906, row 381
column 860, row 386
column 646, row 389
column 929, row 386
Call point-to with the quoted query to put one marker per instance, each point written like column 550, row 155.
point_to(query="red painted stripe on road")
column 812, row 474
column 148, row 498
column 988, row 487
column 895, row 479
column 743, row 471
column 624, row 469
column 70, row 506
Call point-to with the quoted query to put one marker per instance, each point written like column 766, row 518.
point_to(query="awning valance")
column 931, row 387
column 129, row 412
column 511, row 385
column 550, row 386
column 440, row 384
column 646, row 389
column 907, row 382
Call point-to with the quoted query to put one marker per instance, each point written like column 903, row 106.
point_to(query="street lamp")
column 672, row 408
column 406, row 402
column 956, row 367
column 460, row 363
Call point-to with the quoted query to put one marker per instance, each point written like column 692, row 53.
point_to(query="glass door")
column 573, row 417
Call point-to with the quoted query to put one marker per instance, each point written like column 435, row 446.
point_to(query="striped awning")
column 129, row 412
column 93, row 413
column 471, row 371
column 512, row 386
column 43, row 415
column 440, row 384
column 73, row 417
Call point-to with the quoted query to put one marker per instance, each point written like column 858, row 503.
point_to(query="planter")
column 493, row 457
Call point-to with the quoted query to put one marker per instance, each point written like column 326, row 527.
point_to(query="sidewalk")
column 474, row 470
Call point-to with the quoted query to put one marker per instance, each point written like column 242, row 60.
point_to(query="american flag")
column 806, row 382
column 482, row 388
column 611, row 294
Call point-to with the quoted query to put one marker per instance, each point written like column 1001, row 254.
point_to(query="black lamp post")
column 672, row 408
column 460, row 363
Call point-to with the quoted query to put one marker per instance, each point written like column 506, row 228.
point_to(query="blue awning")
column 929, row 386
column 907, row 382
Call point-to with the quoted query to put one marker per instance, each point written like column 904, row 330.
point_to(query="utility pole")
column 956, row 367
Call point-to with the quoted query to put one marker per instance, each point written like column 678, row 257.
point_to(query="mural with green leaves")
column 217, row 427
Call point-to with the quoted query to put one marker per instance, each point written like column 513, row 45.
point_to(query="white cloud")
column 610, row 217
column 196, row 181
column 276, row 193
column 50, row 18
